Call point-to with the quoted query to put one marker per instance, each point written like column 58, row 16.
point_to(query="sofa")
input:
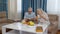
column 53, row 27
column 4, row 20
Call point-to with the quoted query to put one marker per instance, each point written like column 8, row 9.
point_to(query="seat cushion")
column 54, row 23
column 50, row 28
column 53, row 18
column 53, row 26
column 5, row 20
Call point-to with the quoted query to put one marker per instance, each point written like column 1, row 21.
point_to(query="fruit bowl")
column 30, row 23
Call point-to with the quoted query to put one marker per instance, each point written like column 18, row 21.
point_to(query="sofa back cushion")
column 53, row 17
column 53, row 20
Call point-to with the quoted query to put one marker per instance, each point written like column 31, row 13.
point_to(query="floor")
column 58, row 32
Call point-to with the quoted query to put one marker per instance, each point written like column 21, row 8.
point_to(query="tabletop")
column 24, row 27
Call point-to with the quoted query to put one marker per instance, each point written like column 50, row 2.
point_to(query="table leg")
column 46, row 31
column 3, row 30
column 39, row 33
column 20, row 32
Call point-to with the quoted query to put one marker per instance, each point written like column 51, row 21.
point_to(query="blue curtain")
column 25, row 5
column 3, row 5
column 35, row 4
column 42, row 4
column 45, row 5
column 32, row 4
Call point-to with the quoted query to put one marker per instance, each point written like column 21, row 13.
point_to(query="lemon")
column 31, row 23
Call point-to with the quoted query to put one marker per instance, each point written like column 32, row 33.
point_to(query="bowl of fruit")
column 28, row 22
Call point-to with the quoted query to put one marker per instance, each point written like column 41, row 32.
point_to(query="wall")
column 52, row 6
column 58, row 7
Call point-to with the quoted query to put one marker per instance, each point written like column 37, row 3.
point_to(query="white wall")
column 52, row 6
column 58, row 7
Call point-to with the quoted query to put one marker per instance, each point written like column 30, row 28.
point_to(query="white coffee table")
column 18, row 26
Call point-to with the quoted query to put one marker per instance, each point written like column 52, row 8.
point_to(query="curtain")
column 25, row 6
column 42, row 4
column 35, row 4
column 32, row 4
column 3, row 5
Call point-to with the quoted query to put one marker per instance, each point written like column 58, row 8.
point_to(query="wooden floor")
column 58, row 32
